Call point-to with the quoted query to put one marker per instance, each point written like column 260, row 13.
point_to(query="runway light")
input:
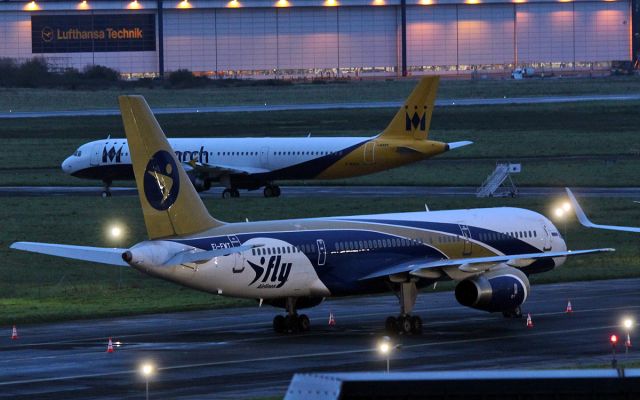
column 566, row 206
column 184, row 4
column 234, row 4
column 627, row 323
column 426, row 2
column 32, row 6
column 146, row 370
column 283, row 3
column 83, row 5
column 331, row 3
column 613, row 339
column 379, row 2
column 384, row 347
column 559, row 212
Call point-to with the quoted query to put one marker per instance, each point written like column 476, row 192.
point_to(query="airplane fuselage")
column 264, row 159
column 328, row 256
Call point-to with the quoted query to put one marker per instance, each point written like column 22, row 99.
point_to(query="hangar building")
column 293, row 38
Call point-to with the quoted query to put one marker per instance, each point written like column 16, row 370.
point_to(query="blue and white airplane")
column 297, row 263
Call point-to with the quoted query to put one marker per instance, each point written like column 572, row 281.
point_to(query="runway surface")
column 331, row 191
column 325, row 106
column 233, row 354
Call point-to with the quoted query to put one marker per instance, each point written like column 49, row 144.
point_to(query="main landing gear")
column 292, row 322
column 513, row 313
column 229, row 193
column 271, row 191
column 106, row 192
column 405, row 323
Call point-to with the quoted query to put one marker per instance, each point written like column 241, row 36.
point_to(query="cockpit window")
column 78, row 153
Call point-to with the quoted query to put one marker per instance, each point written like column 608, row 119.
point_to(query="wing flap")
column 111, row 256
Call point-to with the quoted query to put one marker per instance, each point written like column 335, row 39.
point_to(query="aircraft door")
column 264, row 157
column 96, row 153
column 369, row 152
column 322, row 252
column 467, row 246
column 546, row 237
column 238, row 258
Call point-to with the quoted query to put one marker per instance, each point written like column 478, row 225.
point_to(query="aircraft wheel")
column 513, row 313
column 416, row 325
column 227, row 194
column 235, row 193
column 291, row 323
column 279, row 324
column 276, row 191
column 303, row 323
column 391, row 325
column 105, row 194
column 404, row 325
column 268, row 191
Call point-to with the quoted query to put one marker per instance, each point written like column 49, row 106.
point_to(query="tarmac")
column 234, row 354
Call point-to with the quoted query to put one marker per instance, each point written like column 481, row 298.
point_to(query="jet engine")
column 199, row 183
column 501, row 289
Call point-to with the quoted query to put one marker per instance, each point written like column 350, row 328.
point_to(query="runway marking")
column 300, row 356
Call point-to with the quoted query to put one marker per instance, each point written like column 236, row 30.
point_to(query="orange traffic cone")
column 569, row 309
column 332, row 320
column 627, row 343
column 529, row 321
column 14, row 333
column 110, row 346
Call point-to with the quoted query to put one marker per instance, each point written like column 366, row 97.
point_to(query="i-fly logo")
column 274, row 276
column 415, row 121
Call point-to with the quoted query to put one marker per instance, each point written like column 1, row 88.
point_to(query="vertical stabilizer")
column 413, row 119
column 170, row 204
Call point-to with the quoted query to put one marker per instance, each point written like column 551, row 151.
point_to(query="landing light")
column 628, row 323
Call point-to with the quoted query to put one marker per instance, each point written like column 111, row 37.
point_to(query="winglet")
column 582, row 217
column 170, row 204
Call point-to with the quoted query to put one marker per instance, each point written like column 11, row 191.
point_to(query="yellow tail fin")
column 413, row 119
column 170, row 204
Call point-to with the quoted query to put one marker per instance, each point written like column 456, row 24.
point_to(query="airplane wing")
column 215, row 170
column 582, row 217
column 455, row 145
column 111, row 256
column 477, row 264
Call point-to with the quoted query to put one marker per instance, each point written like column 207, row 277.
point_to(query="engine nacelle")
column 502, row 289
column 199, row 183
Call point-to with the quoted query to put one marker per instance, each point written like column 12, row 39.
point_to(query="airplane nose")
column 66, row 165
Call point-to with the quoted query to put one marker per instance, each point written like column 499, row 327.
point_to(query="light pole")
column 385, row 348
column 614, row 340
column 146, row 370
column 628, row 324
column 115, row 232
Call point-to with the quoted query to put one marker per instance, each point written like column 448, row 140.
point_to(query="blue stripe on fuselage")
column 342, row 268
column 506, row 244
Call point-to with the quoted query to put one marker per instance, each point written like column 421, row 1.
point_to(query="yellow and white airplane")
column 582, row 217
column 252, row 163
column 295, row 264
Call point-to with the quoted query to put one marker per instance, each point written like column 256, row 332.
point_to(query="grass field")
column 351, row 91
column 545, row 138
column 37, row 288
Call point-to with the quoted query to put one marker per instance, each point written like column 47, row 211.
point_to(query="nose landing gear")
column 106, row 192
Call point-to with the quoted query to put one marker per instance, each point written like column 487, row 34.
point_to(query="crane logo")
column 161, row 181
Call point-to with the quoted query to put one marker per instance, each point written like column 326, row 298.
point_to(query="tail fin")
column 170, row 204
column 413, row 119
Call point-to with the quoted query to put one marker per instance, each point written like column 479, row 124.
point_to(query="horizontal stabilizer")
column 111, row 256
column 582, row 217
column 191, row 256
column 456, row 145
column 481, row 263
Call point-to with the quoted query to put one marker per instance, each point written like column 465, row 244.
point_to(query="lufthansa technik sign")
column 92, row 33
